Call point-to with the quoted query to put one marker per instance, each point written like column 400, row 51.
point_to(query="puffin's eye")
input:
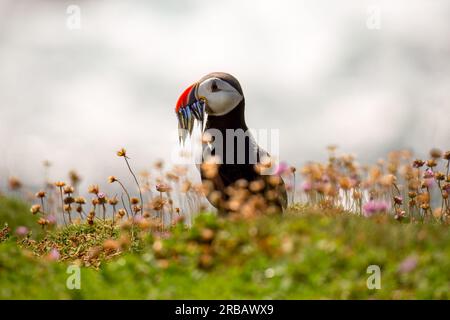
column 214, row 86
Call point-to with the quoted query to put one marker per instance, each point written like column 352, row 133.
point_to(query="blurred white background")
column 317, row 70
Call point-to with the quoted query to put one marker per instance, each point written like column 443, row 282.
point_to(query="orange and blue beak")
column 188, row 109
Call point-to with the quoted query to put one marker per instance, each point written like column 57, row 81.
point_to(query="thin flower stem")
column 104, row 211
column 62, row 205
column 293, row 190
column 128, row 196
column 162, row 213
column 114, row 213
column 42, row 204
column 123, row 204
column 137, row 182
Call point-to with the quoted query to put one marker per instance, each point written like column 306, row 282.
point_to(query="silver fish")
column 190, row 120
column 181, row 128
column 180, row 119
column 182, row 134
column 187, row 116
column 195, row 111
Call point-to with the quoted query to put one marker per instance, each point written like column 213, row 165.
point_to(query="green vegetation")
column 128, row 248
column 13, row 213
column 302, row 255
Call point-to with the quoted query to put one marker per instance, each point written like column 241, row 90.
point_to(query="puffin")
column 236, row 173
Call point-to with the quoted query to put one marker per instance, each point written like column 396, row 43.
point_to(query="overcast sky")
column 323, row 72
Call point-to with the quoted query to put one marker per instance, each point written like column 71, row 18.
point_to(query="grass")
column 306, row 254
column 13, row 213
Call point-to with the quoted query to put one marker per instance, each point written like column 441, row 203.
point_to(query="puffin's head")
column 216, row 94
column 220, row 91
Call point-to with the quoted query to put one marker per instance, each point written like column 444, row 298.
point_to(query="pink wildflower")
column 22, row 231
column 373, row 207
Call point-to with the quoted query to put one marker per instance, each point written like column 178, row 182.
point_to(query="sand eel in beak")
column 188, row 109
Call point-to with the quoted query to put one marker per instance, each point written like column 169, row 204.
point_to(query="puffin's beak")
column 187, row 97
column 189, row 108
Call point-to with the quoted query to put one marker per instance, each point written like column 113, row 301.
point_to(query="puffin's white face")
column 220, row 96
